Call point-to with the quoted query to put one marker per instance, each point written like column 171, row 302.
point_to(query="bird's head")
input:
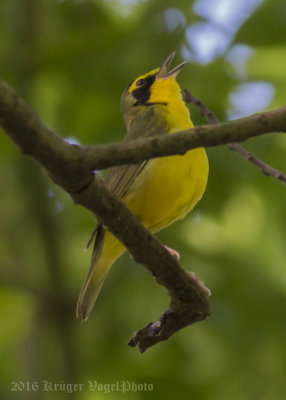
column 155, row 87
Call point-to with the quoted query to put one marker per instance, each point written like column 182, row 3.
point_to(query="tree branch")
column 97, row 157
column 72, row 167
column 189, row 298
column 65, row 164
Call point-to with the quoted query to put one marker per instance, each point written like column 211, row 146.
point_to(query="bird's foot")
column 173, row 252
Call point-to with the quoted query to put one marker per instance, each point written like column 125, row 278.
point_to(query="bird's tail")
column 106, row 250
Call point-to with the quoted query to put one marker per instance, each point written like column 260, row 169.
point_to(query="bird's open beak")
column 163, row 71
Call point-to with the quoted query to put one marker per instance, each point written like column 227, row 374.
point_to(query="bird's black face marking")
column 142, row 94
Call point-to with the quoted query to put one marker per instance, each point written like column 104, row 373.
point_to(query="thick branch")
column 189, row 298
column 178, row 143
column 25, row 128
column 71, row 167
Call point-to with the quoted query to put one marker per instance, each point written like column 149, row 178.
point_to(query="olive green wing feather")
column 118, row 181
column 120, row 178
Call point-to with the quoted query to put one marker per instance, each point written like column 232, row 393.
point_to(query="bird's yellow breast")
column 168, row 188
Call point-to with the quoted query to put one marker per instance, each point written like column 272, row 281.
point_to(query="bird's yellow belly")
column 168, row 188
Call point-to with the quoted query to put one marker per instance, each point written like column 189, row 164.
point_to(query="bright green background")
column 71, row 60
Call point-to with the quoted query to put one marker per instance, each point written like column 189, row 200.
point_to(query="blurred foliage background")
column 71, row 60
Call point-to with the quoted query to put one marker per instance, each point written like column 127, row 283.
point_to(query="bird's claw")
column 173, row 252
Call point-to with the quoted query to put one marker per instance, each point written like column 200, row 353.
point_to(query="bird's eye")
column 140, row 82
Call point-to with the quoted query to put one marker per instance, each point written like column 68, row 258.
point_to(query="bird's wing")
column 120, row 178
column 118, row 181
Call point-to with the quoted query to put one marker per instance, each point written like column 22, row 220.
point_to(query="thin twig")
column 212, row 119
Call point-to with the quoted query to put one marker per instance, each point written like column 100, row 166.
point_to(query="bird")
column 159, row 191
